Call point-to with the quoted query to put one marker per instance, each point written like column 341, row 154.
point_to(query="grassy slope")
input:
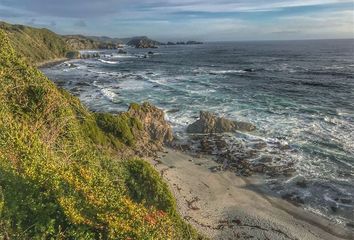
column 59, row 174
column 37, row 45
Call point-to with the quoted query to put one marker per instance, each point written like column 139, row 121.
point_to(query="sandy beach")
column 225, row 206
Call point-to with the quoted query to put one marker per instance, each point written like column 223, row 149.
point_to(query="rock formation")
column 157, row 131
column 210, row 123
column 143, row 42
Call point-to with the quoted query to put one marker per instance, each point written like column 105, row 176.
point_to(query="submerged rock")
column 210, row 123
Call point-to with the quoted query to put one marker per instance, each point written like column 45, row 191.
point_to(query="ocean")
column 299, row 94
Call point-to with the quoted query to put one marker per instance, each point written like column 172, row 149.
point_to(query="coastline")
column 51, row 63
column 222, row 205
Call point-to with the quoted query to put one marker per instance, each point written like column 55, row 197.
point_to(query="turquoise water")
column 299, row 94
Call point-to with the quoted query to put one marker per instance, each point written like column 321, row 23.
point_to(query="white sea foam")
column 227, row 71
column 110, row 95
column 122, row 56
column 108, row 62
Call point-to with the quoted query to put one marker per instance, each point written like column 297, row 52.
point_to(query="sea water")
column 299, row 94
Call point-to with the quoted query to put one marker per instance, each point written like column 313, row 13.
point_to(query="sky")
column 208, row 20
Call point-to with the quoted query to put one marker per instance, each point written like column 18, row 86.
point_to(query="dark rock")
column 73, row 55
column 334, row 208
column 246, row 172
column 289, row 172
column 266, row 159
column 215, row 169
column 345, row 201
column 121, row 51
column 302, row 183
column 350, row 224
column 210, row 123
column 193, row 42
column 293, row 198
column 260, row 168
column 259, row 145
column 82, row 84
column 75, row 89
column 174, row 110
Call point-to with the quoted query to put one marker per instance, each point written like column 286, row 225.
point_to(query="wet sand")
column 222, row 205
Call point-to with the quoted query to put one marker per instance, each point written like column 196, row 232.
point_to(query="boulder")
column 157, row 131
column 210, row 123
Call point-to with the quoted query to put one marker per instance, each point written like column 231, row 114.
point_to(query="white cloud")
column 235, row 6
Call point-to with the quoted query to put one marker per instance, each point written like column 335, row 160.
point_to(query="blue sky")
column 208, row 20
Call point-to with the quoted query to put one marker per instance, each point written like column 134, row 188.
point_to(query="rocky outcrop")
column 210, row 123
column 183, row 43
column 143, row 42
column 90, row 55
column 73, row 55
column 193, row 42
column 157, row 132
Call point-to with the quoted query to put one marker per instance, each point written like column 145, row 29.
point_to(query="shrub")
column 121, row 126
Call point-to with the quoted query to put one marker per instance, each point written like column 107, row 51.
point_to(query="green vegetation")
column 61, row 176
column 37, row 45
column 120, row 127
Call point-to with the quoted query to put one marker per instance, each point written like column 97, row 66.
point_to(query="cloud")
column 67, row 8
column 194, row 19
column 236, row 6
column 99, row 8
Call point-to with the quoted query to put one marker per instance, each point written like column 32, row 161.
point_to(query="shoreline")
column 222, row 205
column 51, row 63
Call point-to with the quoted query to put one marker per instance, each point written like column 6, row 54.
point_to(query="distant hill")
column 79, row 42
column 142, row 42
column 40, row 44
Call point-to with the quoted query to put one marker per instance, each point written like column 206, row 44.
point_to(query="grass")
column 37, row 45
column 61, row 176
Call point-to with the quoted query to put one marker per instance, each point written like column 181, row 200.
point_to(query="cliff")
column 67, row 173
